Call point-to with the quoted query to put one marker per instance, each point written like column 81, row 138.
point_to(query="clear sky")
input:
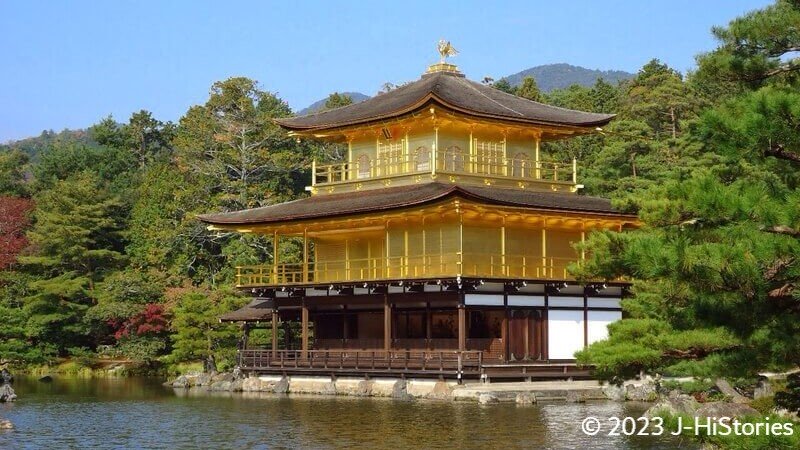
column 67, row 64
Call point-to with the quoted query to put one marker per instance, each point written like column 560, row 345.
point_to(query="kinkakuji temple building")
column 439, row 248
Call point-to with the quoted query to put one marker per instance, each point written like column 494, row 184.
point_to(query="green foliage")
column 716, row 255
column 197, row 332
column 637, row 345
column 142, row 348
column 12, row 173
column 692, row 387
column 337, row 100
column 231, row 145
column 789, row 398
column 529, row 89
column 76, row 242
column 755, row 48
column 504, row 86
column 765, row 405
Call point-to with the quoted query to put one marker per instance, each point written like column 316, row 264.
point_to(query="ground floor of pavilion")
column 438, row 328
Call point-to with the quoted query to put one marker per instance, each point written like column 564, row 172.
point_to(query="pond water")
column 133, row 413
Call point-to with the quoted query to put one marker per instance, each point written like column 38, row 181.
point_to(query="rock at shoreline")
column 725, row 409
column 645, row 392
column 7, row 394
column 615, row 393
column 728, row 390
column 525, row 398
column 441, row 391
column 282, row 386
column 46, row 379
column 400, row 390
column 575, row 397
column 236, row 385
column 364, row 388
column 487, row 399
column 763, row 388
column 674, row 404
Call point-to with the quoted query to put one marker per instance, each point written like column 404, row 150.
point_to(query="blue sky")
column 68, row 64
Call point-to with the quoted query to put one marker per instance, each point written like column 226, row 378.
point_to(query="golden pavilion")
column 439, row 247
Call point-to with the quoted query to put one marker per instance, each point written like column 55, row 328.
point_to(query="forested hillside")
column 101, row 249
column 562, row 76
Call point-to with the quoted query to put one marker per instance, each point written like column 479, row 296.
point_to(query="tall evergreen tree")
column 75, row 242
column 529, row 89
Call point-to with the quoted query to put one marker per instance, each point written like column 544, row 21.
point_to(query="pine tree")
column 76, row 243
column 529, row 89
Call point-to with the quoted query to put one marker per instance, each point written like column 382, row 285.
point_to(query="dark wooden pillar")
column 504, row 334
column 245, row 335
column 387, row 323
column 462, row 328
column 304, row 331
column 274, row 333
column 345, row 325
column 428, row 325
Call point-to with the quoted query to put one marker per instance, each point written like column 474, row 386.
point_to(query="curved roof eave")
column 423, row 103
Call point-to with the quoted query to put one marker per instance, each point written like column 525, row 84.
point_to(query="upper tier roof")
column 450, row 90
column 376, row 200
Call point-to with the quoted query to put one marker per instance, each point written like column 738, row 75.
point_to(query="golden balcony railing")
column 447, row 162
column 406, row 267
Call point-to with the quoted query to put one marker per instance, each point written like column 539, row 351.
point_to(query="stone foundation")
column 401, row 389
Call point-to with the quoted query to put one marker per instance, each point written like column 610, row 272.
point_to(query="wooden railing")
column 481, row 164
column 407, row 267
column 374, row 361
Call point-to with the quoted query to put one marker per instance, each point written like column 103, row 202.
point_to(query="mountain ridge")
column 547, row 76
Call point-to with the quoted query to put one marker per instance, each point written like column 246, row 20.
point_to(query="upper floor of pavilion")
column 446, row 128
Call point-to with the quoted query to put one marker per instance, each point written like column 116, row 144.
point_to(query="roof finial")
column 446, row 49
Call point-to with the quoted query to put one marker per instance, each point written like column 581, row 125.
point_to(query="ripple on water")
column 139, row 413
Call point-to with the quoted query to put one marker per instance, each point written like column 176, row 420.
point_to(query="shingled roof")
column 257, row 310
column 450, row 90
column 332, row 205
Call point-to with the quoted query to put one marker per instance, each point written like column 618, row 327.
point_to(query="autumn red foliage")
column 151, row 321
column 14, row 220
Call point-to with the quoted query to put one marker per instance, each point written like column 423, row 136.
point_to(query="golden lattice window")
column 520, row 165
column 453, row 159
column 422, row 159
column 363, row 166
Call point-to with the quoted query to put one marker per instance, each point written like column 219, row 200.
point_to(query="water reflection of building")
column 440, row 246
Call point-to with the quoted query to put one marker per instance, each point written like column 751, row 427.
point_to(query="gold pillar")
column 305, row 255
column 460, row 239
column 574, row 170
column 407, row 148
column 274, row 333
column 583, row 240
column 377, row 165
column 388, row 264
column 350, row 162
column 304, row 331
column 503, row 248
column 537, row 160
column 314, row 172
column 544, row 248
column 406, row 258
column 435, row 150
column 275, row 258
column 471, row 156
column 505, row 153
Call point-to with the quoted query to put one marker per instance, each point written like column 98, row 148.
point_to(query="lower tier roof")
column 375, row 200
